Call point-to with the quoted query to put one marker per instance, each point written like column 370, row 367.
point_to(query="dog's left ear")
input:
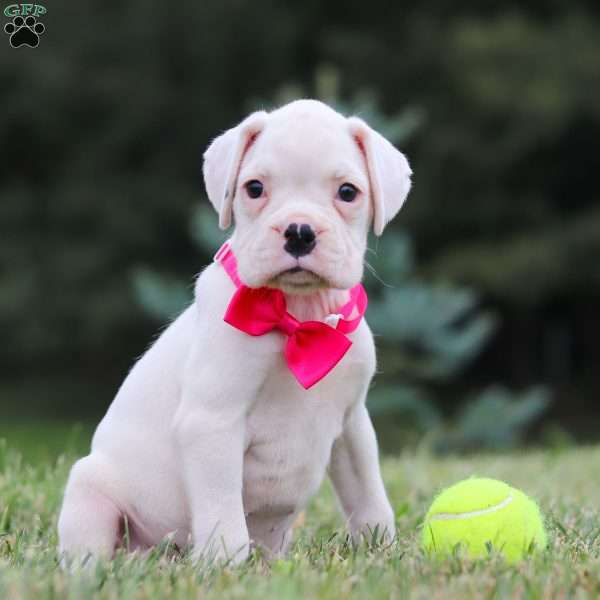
column 389, row 173
column 222, row 161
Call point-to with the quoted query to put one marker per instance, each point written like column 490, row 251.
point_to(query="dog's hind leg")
column 90, row 521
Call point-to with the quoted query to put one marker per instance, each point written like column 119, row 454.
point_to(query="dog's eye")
column 347, row 192
column 254, row 188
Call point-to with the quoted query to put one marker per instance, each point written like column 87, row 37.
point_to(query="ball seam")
column 472, row 513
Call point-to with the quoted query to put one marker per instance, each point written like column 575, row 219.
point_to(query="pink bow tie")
column 313, row 348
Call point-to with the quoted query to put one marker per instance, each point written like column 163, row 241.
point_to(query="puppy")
column 219, row 435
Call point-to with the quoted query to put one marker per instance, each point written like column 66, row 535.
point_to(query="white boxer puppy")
column 214, row 438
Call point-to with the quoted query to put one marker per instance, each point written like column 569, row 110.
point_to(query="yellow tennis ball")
column 479, row 515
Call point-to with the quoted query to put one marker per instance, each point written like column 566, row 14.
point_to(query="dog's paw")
column 221, row 555
column 24, row 32
column 78, row 563
column 373, row 527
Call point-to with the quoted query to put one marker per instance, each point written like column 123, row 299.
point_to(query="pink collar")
column 356, row 305
column 312, row 348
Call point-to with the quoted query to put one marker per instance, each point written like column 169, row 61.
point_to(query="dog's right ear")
column 222, row 161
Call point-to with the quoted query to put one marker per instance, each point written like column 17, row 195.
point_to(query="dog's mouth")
column 298, row 279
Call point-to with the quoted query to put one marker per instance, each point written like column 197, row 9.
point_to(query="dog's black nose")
column 301, row 239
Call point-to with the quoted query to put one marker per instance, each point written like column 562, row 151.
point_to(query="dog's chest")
column 289, row 441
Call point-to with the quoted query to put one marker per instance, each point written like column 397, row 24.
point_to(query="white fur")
column 210, row 438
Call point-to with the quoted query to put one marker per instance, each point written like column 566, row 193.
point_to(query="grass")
column 322, row 563
column 44, row 441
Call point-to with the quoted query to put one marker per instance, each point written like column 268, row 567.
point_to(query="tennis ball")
column 480, row 514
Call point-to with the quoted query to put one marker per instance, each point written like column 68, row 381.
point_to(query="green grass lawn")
column 322, row 564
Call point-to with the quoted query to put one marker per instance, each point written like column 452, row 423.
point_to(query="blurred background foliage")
column 483, row 291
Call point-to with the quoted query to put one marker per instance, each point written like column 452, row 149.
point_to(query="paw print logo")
column 24, row 32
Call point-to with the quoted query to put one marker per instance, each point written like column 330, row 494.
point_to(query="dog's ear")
column 389, row 173
column 222, row 161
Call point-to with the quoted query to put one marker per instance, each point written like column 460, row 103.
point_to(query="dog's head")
column 303, row 183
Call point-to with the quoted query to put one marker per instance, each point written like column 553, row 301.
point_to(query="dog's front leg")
column 211, row 457
column 209, row 430
column 354, row 471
